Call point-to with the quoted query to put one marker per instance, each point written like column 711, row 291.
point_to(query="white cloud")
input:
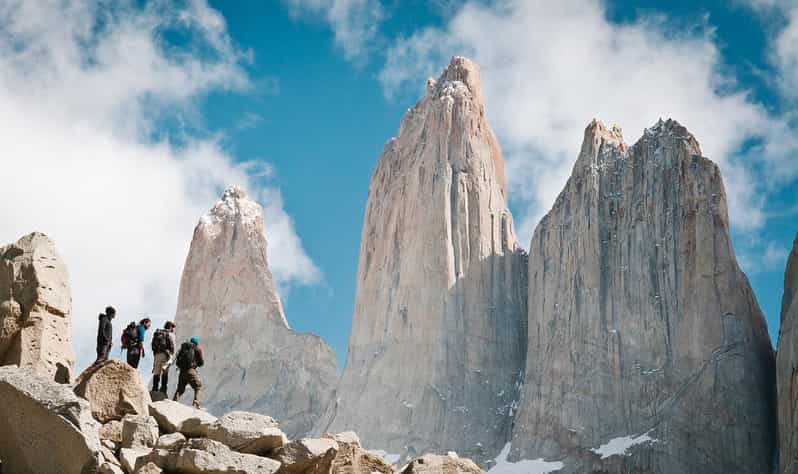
column 548, row 68
column 83, row 85
column 355, row 23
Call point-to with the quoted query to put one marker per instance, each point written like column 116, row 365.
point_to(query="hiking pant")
column 160, row 371
column 102, row 353
column 133, row 357
column 189, row 377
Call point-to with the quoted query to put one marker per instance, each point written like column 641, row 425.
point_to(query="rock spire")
column 228, row 298
column 438, row 336
column 35, row 308
column 787, row 368
column 643, row 332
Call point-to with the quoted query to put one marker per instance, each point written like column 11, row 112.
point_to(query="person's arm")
column 200, row 357
column 142, row 332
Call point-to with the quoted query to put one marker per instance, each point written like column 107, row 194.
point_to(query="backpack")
column 160, row 341
column 185, row 358
column 130, row 336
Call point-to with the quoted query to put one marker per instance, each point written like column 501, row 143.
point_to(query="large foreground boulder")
column 175, row 417
column 247, row 433
column 435, row 464
column 114, row 389
column 44, row 427
column 35, row 307
column 202, row 456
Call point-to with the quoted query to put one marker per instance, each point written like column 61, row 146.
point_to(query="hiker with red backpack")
column 163, row 349
column 188, row 359
column 133, row 341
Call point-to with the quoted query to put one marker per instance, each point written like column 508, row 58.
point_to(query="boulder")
column 353, row 459
column 139, row 431
column 171, row 442
column 307, row 456
column 35, row 309
column 114, row 389
column 247, row 432
column 435, row 464
column 128, row 457
column 45, row 427
column 209, row 456
column 112, row 431
column 176, row 417
column 161, row 458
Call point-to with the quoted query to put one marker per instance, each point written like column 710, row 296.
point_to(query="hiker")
column 188, row 359
column 133, row 341
column 163, row 349
column 105, row 335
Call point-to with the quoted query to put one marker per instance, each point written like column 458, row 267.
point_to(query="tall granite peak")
column 643, row 331
column 438, row 335
column 228, row 298
column 36, row 308
column 787, row 368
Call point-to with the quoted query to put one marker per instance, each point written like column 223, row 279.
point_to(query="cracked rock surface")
column 438, row 340
column 35, row 308
column 641, row 324
column 228, row 298
column 787, row 368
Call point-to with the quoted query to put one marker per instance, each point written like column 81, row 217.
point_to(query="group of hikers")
column 187, row 359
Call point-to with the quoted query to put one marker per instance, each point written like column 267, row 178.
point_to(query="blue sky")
column 153, row 110
column 324, row 130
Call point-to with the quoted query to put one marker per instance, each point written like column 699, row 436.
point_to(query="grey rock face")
column 787, row 368
column 35, row 308
column 641, row 324
column 44, row 427
column 253, row 360
column 438, row 341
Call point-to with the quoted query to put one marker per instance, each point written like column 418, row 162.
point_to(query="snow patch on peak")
column 234, row 192
column 234, row 206
column 525, row 466
column 620, row 445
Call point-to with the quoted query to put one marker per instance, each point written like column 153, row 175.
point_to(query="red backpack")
column 130, row 336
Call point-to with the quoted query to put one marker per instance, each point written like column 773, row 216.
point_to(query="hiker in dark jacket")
column 134, row 342
column 105, row 335
column 188, row 359
column 163, row 350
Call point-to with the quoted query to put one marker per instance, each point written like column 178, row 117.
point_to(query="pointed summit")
column 229, row 299
column 641, row 325
column 438, row 335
